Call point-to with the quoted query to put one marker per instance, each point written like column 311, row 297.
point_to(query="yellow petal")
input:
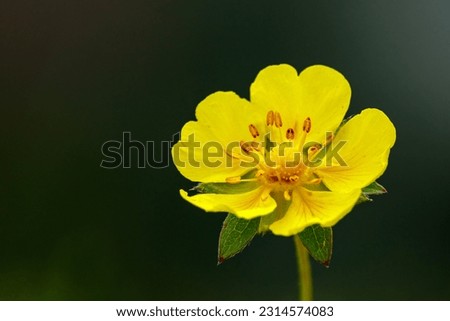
column 314, row 207
column 319, row 92
column 228, row 117
column 246, row 205
column 201, row 158
column 277, row 88
column 205, row 147
column 324, row 98
column 368, row 139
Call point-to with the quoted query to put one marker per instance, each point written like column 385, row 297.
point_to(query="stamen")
column 270, row 118
column 290, row 134
column 278, row 121
column 253, row 130
column 287, row 195
column 315, row 154
column 329, row 137
column 304, row 133
column 307, row 125
column 293, row 178
column 238, row 179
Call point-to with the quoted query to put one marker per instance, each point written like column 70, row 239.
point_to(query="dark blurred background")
column 75, row 74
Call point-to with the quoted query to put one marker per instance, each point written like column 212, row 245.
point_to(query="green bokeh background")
column 75, row 74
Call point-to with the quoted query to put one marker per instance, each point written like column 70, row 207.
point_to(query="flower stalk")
column 304, row 271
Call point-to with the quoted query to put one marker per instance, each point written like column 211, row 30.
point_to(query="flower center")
column 280, row 158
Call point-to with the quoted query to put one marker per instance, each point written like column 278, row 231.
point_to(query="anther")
column 249, row 146
column 278, row 121
column 246, row 147
column 287, row 195
column 259, row 173
column 307, row 125
column 315, row 181
column 313, row 149
column 253, row 130
column 290, row 134
column 293, row 178
column 270, row 118
column 233, row 180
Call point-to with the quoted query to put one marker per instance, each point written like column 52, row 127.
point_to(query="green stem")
column 304, row 271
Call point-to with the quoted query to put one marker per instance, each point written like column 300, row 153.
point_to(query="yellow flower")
column 286, row 155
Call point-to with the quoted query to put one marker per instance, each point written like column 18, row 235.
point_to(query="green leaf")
column 318, row 241
column 225, row 188
column 374, row 189
column 363, row 198
column 371, row 189
column 235, row 235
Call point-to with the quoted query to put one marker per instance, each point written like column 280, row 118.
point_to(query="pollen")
column 253, row 131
